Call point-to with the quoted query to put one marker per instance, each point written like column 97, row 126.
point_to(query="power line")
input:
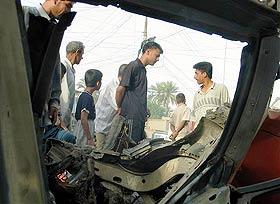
column 180, row 71
column 104, row 59
column 114, row 60
column 100, row 32
column 101, row 25
column 204, row 56
column 112, row 33
column 163, row 38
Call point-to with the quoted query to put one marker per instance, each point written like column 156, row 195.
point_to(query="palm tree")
column 163, row 93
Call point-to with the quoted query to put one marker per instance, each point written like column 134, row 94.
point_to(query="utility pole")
column 145, row 36
column 145, row 33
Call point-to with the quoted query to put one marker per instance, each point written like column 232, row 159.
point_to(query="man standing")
column 210, row 95
column 39, row 23
column 106, row 108
column 180, row 118
column 74, row 54
column 131, row 94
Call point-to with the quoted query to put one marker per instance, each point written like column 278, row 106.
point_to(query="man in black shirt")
column 131, row 94
column 40, row 23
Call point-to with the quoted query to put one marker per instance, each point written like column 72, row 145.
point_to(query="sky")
column 113, row 37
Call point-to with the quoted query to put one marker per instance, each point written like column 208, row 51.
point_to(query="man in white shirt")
column 180, row 118
column 211, row 95
column 74, row 55
column 106, row 109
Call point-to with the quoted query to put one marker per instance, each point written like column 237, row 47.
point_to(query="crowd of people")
column 125, row 95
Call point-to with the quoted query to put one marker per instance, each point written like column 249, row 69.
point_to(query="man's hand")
column 173, row 135
column 53, row 114
column 90, row 142
column 118, row 111
column 62, row 124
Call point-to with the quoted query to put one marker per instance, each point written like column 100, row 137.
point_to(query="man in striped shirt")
column 210, row 95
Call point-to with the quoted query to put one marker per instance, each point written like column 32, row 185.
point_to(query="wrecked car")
column 118, row 173
column 211, row 165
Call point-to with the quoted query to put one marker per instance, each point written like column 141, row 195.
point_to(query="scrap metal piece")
column 118, row 138
column 70, row 172
column 137, row 151
column 115, row 194
column 211, row 195
column 206, row 132
column 143, row 182
column 220, row 115
column 193, row 151
column 145, row 147
column 57, row 151
column 211, row 142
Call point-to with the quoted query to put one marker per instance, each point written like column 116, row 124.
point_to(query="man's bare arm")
column 181, row 126
column 119, row 95
column 172, row 127
column 85, row 125
column 175, row 133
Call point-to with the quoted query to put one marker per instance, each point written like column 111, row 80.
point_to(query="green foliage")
column 160, row 96
column 163, row 93
column 156, row 111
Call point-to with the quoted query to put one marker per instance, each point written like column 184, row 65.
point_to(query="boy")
column 85, row 110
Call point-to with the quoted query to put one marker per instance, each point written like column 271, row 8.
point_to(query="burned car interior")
column 149, row 168
column 216, row 163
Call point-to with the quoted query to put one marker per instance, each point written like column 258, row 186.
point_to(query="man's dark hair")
column 151, row 45
column 180, row 98
column 92, row 76
column 121, row 70
column 205, row 67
